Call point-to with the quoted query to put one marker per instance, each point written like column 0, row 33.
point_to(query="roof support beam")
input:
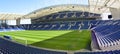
column 109, row 5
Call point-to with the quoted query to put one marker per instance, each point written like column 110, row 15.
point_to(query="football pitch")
column 53, row 39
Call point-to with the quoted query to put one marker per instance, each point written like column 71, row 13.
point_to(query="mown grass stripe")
column 63, row 40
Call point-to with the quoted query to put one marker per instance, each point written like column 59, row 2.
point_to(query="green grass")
column 61, row 40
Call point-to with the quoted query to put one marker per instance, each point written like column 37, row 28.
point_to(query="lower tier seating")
column 8, row 47
column 108, row 34
column 102, row 52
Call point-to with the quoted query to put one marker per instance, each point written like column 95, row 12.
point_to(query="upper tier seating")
column 70, row 14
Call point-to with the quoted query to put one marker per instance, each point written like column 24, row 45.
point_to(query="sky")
column 27, row 6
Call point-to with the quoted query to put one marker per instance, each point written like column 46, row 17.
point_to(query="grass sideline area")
column 53, row 39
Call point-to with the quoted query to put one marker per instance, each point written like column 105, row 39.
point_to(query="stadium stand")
column 75, row 25
column 69, row 14
column 10, row 28
column 102, row 52
column 107, row 34
column 8, row 47
column 67, row 25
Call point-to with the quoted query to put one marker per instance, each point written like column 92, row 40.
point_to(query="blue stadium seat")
column 48, row 17
column 84, row 25
column 55, row 26
column 55, row 16
column 75, row 26
column 78, row 14
column 62, row 15
column 86, row 14
column 69, row 15
column 64, row 26
column 47, row 26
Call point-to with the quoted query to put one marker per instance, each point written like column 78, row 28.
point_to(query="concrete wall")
column 115, row 13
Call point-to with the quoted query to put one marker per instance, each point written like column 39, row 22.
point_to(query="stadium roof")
column 57, row 8
column 9, row 16
column 94, row 6
column 102, row 6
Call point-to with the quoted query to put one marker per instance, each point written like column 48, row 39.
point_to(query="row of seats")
column 8, row 47
column 70, row 14
column 9, row 28
column 76, row 25
column 107, row 34
column 102, row 52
